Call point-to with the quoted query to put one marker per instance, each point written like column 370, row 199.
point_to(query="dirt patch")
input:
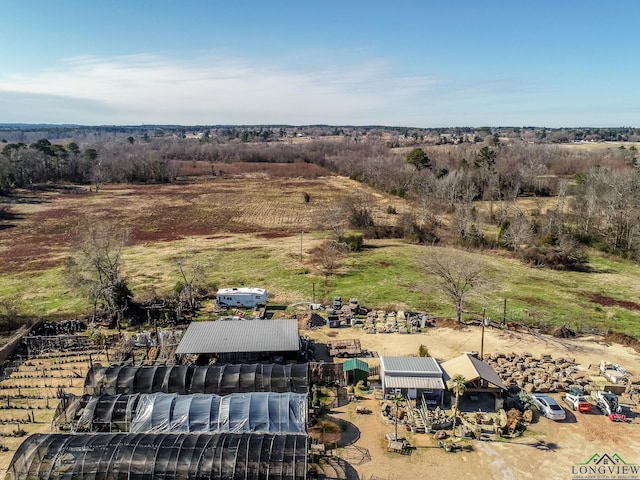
column 274, row 235
column 561, row 332
column 612, row 302
column 622, row 339
column 326, row 431
column 448, row 323
column 237, row 249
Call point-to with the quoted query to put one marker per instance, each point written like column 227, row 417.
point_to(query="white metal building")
column 414, row 377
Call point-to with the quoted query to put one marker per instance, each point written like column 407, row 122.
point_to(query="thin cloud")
column 136, row 88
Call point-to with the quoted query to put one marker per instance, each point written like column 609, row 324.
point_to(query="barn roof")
column 355, row 364
column 472, row 368
column 427, row 383
column 241, row 336
column 421, row 366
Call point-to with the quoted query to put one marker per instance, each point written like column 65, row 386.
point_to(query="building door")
column 412, row 393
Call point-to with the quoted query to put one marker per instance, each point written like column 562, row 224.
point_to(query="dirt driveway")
column 548, row 450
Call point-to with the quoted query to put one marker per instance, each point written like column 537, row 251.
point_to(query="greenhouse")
column 97, row 413
column 239, row 412
column 189, row 379
column 119, row 456
column 264, row 412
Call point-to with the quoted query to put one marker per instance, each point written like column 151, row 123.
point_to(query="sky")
column 552, row 63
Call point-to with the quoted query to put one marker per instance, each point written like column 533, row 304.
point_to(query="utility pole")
column 484, row 320
column 301, row 234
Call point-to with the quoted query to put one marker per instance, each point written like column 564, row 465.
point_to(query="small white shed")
column 241, row 297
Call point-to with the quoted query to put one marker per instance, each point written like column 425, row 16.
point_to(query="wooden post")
column 504, row 312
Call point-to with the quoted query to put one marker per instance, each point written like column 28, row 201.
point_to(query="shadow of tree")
column 544, row 446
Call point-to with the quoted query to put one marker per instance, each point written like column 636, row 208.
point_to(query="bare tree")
column 518, row 233
column 332, row 219
column 191, row 272
column 457, row 274
column 327, row 256
column 97, row 266
column 357, row 210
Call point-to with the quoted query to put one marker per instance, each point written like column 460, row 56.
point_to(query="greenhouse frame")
column 256, row 412
column 188, row 379
column 96, row 413
column 120, row 456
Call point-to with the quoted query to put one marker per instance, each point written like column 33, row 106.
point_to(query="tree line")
column 596, row 191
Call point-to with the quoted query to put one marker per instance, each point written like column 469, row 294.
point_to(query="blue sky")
column 404, row 63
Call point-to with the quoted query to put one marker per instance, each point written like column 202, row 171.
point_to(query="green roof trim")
column 355, row 364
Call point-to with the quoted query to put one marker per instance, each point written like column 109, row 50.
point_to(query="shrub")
column 354, row 241
column 555, row 258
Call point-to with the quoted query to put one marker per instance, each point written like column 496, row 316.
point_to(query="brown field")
column 49, row 220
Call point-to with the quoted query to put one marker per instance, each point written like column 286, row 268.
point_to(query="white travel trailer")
column 241, row 297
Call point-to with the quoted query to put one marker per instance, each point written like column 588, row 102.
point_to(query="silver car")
column 548, row 407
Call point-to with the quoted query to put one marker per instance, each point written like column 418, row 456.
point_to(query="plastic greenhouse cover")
column 218, row 379
column 265, row 412
column 97, row 412
column 139, row 456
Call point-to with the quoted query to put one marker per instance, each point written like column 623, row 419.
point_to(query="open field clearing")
column 259, row 232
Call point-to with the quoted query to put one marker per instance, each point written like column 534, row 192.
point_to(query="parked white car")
column 548, row 407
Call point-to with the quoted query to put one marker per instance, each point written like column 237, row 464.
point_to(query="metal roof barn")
column 240, row 336
column 355, row 364
column 355, row 370
column 415, row 377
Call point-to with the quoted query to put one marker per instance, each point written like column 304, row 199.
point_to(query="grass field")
column 258, row 232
